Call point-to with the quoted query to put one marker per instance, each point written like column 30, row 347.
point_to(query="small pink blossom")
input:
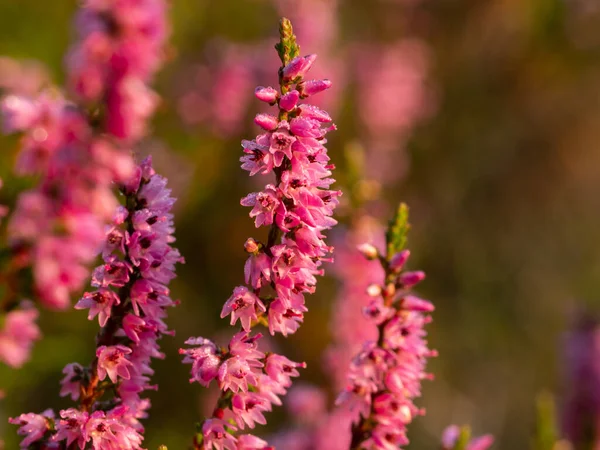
column 112, row 362
column 100, row 303
column 289, row 100
column 205, row 360
column 248, row 409
column 312, row 87
column 244, row 305
column 266, row 94
column 33, row 426
column 71, row 427
column 298, row 67
column 217, row 435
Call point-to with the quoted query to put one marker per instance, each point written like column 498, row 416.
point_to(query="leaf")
column 396, row 235
column 287, row 48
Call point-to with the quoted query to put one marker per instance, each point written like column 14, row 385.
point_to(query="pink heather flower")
column 112, row 362
column 18, row 335
column 71, row 427
column 281, row 143
column 32, row 426
column 281, row 369
column 244, row 305
column 409, row 279
column 205, row 360
column 108, row 431
column 298, row 67
column 100, row 303
column 289, row 100
column 312, row 87
column 70, row 384
column 249, row 442
column 216, row 435
column 285, row 317
column 235, row 374
column 314, row 113
column 266, row 94
column 398, row 260
column 266, row 206
column 246, row 347
column 257, row 270
column 266, row 121
column 248, row 409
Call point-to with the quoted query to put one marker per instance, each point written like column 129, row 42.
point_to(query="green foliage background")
column 503, row 189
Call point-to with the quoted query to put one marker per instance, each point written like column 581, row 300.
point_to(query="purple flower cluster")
column 59, row 224
column 385, row 376
column 72, row 146
column 130, row 301
column 77, row 150
column 297, row 208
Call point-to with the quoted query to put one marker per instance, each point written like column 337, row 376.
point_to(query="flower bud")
column 408, row 279
column 266, row 94
column 266, row 121
column 369, row 251
column 312, row 87
column 398, row 261
column 251, row 246
column 312, row 112
column 414, row 303
column 289, row 100
column 298, row 67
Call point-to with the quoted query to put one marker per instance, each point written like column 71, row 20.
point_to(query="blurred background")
column 483, row 116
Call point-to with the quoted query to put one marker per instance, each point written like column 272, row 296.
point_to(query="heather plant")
column 297, row 208
column 77, row 143
column 95, row 198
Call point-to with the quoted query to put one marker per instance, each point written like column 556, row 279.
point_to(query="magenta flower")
column 248, row 408
column 205, row 360
column 216, row 435
column 249, row 442
column 32, row 426
column 99, row 303
column 112, row 362
column 71, row 427
column 243, row 305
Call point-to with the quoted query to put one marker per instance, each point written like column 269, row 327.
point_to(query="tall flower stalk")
column 130, row 301
column 297, row 208
column 385, row 377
